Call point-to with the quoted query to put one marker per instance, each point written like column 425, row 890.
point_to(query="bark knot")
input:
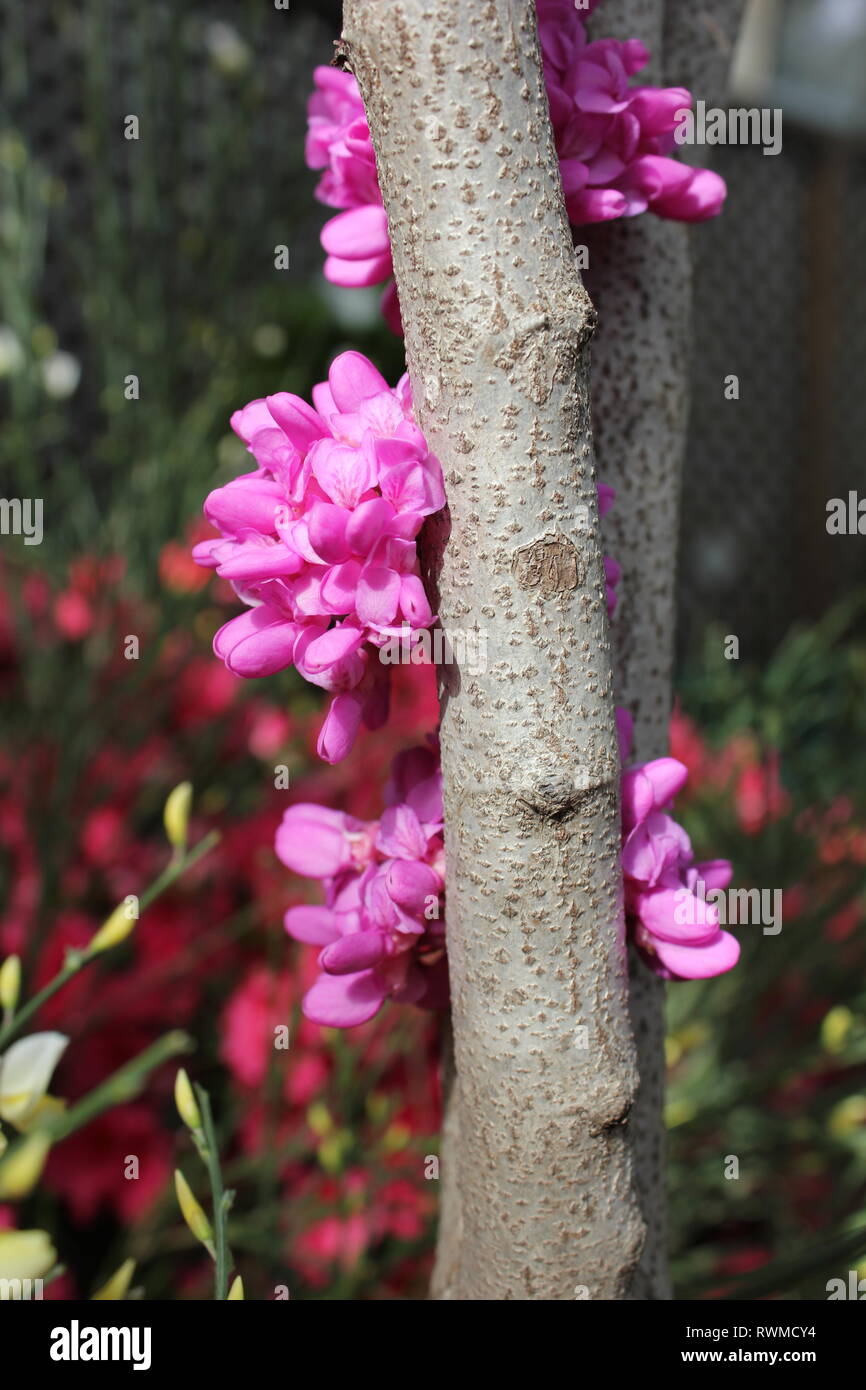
column 554, row 796
column 550, row 564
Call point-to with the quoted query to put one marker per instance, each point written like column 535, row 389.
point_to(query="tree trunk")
column 540, row 1200
column 639, row 277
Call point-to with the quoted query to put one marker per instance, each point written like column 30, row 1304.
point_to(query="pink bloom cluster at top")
column 676, row 930
column 319, row 540
column 613, row 140
column 381, row 928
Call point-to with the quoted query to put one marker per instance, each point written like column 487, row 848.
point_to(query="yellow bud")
column 236, row 1292
column 847, row 1117
column 679, row 1112
column 176, row 814
column 114, row 929
column 184, row 1099
column 319, row 1119
column 193, row 1214
column 21, row 1166
column 115, row 1289
column 836, row 1028
column 693, row 1035
column 396, row 1137
column 377, row 1106
column 333, row 1149
column 10, row 983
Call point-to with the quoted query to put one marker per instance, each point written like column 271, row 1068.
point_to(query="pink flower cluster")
column 319, row 540
column 676, row 930
column 356, row 242
column 382, row 928
column 613, row 140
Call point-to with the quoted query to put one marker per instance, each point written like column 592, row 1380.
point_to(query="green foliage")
column 155, row 258
column 768, row 1063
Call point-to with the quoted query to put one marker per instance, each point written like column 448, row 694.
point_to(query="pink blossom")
column 356, row 242
column 674, row 927
column 319, row 540
column 381, row 928
column 614, row 141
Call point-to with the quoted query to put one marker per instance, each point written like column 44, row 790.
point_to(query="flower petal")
column 340, row 729
column 26, row 1068
column 377, row 595
column 358, row 234
column 315, row 925
column 313, row 840
column 700, row 962
column 25, row 1254
column 343, row 1001
column 358, row 951
column 352, row 378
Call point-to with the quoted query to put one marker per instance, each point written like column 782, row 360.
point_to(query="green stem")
column 122, row 1086
column 221, row 1199
column 77, row 960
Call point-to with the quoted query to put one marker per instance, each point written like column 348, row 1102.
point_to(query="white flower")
column 61, row 373
column 26, row 1069
column 25, row 1254
column 229, row 53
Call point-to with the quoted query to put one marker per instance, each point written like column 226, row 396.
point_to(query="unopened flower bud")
column 115, row 1289
column 115, row 928
column 176, row 815
column 10, row 983
column 193, row 1213
column 21, row 1166
column 184, row 1099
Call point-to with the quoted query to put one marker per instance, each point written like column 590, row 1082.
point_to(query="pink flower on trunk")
column 381, row 929
column 675, row 928
column 319, row 540
column 613, row 140
column 356, row 243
